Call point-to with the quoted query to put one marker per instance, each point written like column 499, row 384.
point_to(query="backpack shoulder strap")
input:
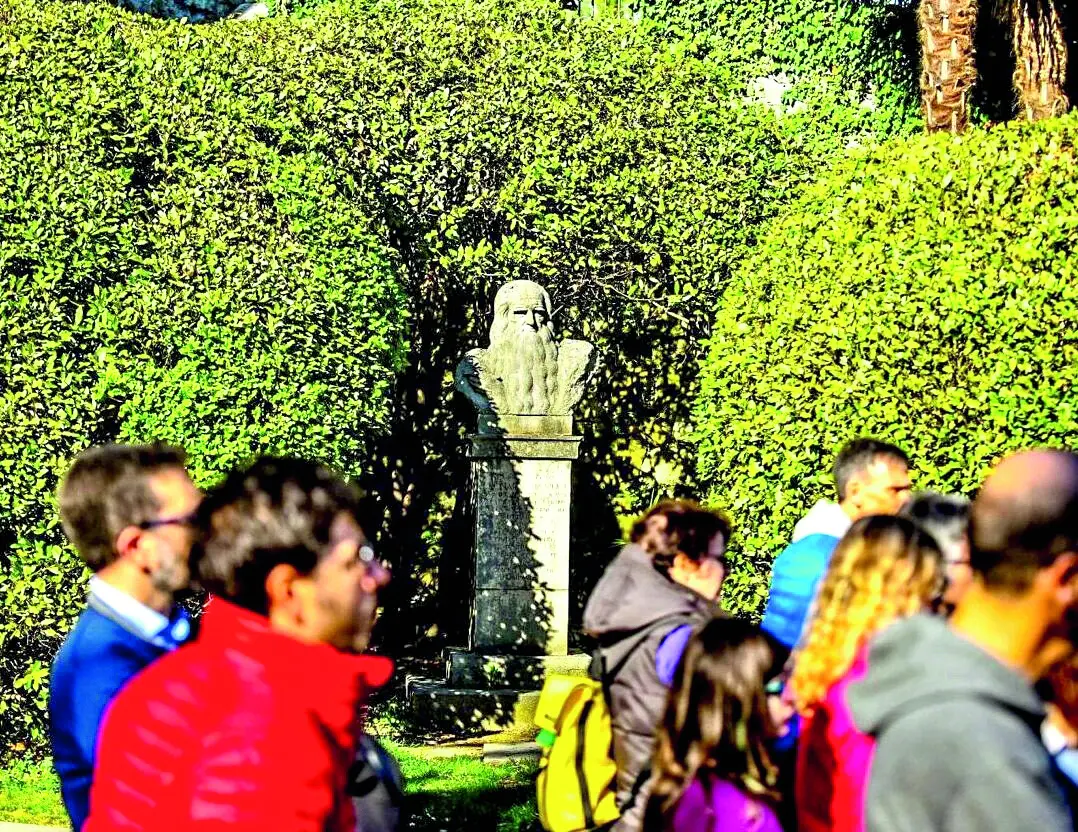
column 635, row 640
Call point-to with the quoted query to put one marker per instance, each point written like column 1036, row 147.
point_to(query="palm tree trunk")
column 1040, row 52
column 948, row 69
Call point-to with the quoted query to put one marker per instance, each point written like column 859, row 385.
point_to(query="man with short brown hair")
column 254, row 725
column 127, row 510
column 871, row 477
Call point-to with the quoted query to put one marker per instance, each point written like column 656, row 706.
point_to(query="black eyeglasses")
column 182, row 520
column 939, row 509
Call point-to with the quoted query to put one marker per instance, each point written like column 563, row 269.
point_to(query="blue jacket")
column 96, row 660
column 795, row 577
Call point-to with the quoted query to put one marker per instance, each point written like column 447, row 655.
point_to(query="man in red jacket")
column 253, row 726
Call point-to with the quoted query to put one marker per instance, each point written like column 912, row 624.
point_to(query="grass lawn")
column 444, row 793
column 30, row 793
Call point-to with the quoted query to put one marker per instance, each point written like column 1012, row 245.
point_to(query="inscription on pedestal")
column 522, row 512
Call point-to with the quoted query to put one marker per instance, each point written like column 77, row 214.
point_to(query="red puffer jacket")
column 246, row 729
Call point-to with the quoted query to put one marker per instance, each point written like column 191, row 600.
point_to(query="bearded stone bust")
column 525, row 371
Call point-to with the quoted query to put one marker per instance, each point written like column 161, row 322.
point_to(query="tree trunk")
column 1040, row 58
column 948, row 71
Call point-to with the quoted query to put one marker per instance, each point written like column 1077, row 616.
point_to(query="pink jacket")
column 833, row 760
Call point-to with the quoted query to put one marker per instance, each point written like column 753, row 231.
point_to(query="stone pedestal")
column 521, row 492
column 522, row 486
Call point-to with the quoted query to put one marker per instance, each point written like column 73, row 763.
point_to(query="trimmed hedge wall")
column 219, row 235
column 849, row 68
column 924, row 293
column 164, row 273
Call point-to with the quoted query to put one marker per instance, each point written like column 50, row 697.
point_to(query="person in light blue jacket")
column 871, row 477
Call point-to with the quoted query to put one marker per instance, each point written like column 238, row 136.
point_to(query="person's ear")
column 129, row 546
column 281, row 586
column 1070, row 575
column 853, row 490
column 684, row 564
column 1062, row 579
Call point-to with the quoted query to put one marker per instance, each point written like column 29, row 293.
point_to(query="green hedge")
column 218, row 235
column 849, row 67
column 164, row 273
column 924, row 293
column 508, row 139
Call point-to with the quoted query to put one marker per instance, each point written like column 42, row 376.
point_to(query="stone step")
column 500, row 752
column 475, row 670
column 439, row 706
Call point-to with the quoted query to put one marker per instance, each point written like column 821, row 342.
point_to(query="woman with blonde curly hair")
column 885, row 568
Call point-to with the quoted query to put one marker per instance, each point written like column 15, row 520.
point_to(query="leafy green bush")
column 504, row 140
column 163, row 274
column 212, row 233
column 848, row 69
column 924, row 293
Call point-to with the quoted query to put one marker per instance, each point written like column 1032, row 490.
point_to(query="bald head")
column 1025, row 516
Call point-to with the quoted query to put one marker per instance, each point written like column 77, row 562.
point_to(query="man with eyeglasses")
column 946, row 518
column 127, row 511
column 254, row 725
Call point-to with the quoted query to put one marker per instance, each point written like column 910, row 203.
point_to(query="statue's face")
column 530, row 316
column 523, row 308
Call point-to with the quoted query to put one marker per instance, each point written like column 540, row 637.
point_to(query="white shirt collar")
column 1053, row 738
column 144, row 621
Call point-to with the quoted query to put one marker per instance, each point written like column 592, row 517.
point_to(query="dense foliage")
column 205, row 233
column 924, row 293
column 164, row 274
column 219, row 234
column 836, row 67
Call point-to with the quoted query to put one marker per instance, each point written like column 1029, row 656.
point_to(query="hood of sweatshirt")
column 921, row 661
column 823, row 518
column 632, row 595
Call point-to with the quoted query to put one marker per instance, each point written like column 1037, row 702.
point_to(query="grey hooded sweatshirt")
column 632, row 609
column 957, row 734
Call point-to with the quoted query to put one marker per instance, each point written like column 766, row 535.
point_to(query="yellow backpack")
column 576, row 785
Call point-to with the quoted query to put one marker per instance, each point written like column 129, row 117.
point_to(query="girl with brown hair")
column 711, row 771
column 885, row 568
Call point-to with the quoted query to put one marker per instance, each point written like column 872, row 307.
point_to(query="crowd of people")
column 253, row 723
column 914, row 670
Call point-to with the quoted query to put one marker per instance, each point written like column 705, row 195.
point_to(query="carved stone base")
column 521, row 480
column 522, row 489
column 473, row 711
column 485, row 694
column 472, row 670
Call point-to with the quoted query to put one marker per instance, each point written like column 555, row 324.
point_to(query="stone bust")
column 525, row 371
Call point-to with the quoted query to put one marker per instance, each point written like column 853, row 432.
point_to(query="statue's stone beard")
column 526, row 363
